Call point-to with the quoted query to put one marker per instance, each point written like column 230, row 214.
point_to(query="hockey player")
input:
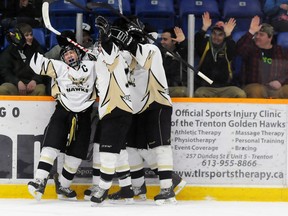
column 151, row 104
column 137, row 147
column 75, row 92
column 115, row 111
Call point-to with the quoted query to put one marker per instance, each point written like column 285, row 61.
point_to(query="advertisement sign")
column 234, row 144
column 22, row 125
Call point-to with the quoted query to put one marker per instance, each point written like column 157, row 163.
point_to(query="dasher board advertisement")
column 230, row 144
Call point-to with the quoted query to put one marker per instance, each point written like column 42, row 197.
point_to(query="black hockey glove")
column 16, row 38
column 135, row 29
column 123, row 40
column 120, row 37
column 103, row 25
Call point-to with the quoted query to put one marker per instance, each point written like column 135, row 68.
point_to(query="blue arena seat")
column 220, row 4
column 237, row 62
column 52, row 38
column 110, row 15
column 236, row 35
column 63, row 14
column 197, row 7
column 242, row 11
column 52, row 41
column 126, row 7
column 158, row 13
column 39, row 35
column 282, row 39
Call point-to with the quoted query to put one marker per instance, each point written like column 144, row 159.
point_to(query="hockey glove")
column 103, row 25
column 16, row 38
column 135, row 28
column 123, row 40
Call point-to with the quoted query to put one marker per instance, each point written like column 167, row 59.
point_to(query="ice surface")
column 30, row 207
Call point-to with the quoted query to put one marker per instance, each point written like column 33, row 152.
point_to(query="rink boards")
column 226, row 149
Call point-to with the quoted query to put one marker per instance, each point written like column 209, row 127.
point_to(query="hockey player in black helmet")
column 70, row 55
column 74, row 89
column 155, row 113
column 115, row 109
column 152, row 108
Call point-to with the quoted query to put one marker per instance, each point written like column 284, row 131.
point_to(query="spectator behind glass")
column 20, row 11
column 19, row 79
column 87, row 40
column 173, row 39
column 216, row 53
column 265, row 71
column 87, row 36
column 277, row 12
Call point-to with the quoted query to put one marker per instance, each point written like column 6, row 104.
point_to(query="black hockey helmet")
column 72, row 62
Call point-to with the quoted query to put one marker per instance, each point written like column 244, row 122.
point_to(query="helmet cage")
column 72, row 62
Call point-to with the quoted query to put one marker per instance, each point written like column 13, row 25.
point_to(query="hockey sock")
column 96, row 164
column 123, row 169
column 136, row 167
column 69, row 170
column 149, row 156
column 165, row 165
column 107, row 169
column 47, row 157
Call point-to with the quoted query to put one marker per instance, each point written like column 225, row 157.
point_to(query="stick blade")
column 46, row 18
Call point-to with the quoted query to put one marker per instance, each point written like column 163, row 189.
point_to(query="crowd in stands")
column 248, row 62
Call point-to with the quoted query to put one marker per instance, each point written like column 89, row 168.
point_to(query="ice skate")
column 62, row 192
column 90, row 191
column 37, row 188
column 178, row 183
column 166, row 196
column 99, row 197
column 125, row 194
column 140, row 192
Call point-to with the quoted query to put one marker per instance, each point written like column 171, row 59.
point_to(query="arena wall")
column 226, row 149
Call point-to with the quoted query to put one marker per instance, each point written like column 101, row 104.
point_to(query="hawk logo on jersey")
column 79, row 82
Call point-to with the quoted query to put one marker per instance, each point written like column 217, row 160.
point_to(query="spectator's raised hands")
column 229, row 26
column 284, row 6
column 255, row 25
column 207, row 22
column 179, row 35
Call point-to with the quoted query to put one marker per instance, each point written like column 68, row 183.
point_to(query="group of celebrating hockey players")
column 134, row 109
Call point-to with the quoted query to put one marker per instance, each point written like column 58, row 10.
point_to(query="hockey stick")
column 46, row 19
column 120, row 6
column 91, row 5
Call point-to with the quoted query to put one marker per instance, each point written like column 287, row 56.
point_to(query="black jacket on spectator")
column 13, row 68
column 216, row 69
column 172, row 65
column 13, row 14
